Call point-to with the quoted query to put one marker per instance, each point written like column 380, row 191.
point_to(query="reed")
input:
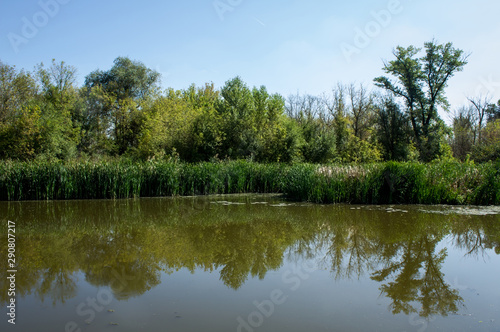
column 383, row 183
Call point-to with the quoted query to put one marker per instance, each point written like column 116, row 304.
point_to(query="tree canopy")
column 123, row 112
column 421, row 83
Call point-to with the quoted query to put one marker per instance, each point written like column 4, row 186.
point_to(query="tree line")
column 122, row 112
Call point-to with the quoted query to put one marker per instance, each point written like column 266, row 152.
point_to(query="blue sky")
column 288, row 46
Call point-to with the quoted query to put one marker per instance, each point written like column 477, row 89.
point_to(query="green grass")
column 382, row 183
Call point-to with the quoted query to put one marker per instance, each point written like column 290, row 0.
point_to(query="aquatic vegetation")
column 444, row 182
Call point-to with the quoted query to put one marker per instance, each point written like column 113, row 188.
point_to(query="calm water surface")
column 251, row 263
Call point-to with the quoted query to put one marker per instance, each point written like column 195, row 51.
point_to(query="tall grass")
column 434, row 183
column 397, row 183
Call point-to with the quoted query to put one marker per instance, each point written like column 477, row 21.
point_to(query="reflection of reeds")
column 434, row 183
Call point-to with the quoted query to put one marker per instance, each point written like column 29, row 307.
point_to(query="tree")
column 95, row 119
column 279, row 137
column 126, row 84
column 165, row 126
column 126, row 79
column 339, row 110
column 238, row 113
column 494, row 112
column 362, row 111
column 17, row 89
column 253, row 124
column 206, row 136
column 21, row 138
column 351, row 114
column 469, row 126
column 481, row 106
column 489, row 147
column 464, row 132
column 421, row 83
column 314, row 121
column 57, row 100
column 392, row 130
column 57, row 81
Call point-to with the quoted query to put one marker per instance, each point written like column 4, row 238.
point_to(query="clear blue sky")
column 288, row 46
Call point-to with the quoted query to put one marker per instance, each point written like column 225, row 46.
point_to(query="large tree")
column 57, row 101
column 126, row 79
column 421, row 83
column 126, row 84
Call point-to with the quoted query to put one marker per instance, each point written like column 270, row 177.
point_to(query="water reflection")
column 128, row 245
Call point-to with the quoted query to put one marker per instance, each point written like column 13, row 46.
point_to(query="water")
column 251, row 263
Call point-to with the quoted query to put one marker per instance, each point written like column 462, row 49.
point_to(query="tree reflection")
column 417, row 278
column 58, row 284
column 477, row 236
column 127, row 246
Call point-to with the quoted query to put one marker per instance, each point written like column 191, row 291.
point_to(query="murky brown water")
column 251, row 263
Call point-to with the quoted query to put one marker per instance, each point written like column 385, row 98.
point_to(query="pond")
column 250, row 263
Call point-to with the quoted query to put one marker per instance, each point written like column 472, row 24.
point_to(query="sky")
column 291, row 47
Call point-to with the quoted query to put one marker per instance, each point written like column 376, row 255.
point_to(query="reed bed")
column 382, row 183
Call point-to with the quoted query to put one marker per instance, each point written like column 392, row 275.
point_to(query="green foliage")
column 421, row 83
column 57, row 100
column 253, row 125
column 447, row 182
column 319, row 140
column 393, row 131
column 126, row 79
column 95, row 118
column 17, row 89
column 116, row 94
column 361, row 151
column 443, row 182
column 21, row 138
column 463, row 133
column 489, row 147
column 342, row 135
column 121, row 112
column 282, row 142
column 494, row 112
column 206, row 135
column 239, row 120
